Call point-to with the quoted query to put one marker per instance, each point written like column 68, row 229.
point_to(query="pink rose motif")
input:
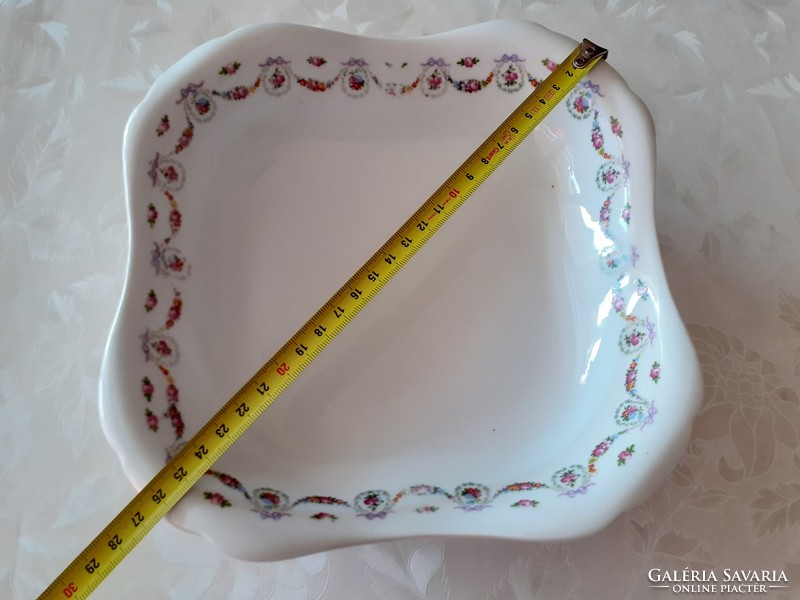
column 551, row 65
column 568, row 478
column 468, row 63
column 151, row 302
column 163, row 348
column 229, row 481
column 524, row 502
column 372, row 500
column 152, row 215
column 475, row 493
column 316, row 61
column 170, row 173
column 604, row 215
column 600, row 449
column 174, row 313
column 434, row 82
column 356, row 82
column 616, row 128
column 147, row 388
column 152, row 421
column 202, row 105
column 230, row 68
column 626, row 214
column 511, row 77
column 624, row 455
column 629, row 412
column 176, row 264
column 277, row 80
column 655, row 373
column 217, row 499
column 239, row 92
column 473, row 86
column 270, row 499
column 618, row 303
column 172, row 393
column 163, row 127
column 634, row 339
column 175, row 218
column 314, row 86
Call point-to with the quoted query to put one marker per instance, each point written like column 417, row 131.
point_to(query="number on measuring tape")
column 114, row 542
column 242, row 409
column 180, row 474
column 158, row 496
column 91, row 566
column 137, row 519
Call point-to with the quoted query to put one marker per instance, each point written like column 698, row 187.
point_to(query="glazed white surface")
column 727, row 227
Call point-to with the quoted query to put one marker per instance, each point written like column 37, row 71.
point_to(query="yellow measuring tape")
column 108, row 549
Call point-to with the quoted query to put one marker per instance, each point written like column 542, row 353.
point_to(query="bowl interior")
column 265, row 169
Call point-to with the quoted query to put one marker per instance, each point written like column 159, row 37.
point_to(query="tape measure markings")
column 196, row 456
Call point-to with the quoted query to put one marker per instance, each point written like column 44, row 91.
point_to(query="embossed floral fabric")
column 722, row 81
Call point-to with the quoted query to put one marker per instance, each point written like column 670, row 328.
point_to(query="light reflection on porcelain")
column 338, row 438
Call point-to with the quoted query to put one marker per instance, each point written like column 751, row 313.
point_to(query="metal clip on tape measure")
column 108, row 549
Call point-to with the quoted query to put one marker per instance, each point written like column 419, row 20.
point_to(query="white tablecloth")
column 722, row 81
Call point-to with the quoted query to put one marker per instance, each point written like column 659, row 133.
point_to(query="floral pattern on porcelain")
column 355, row 78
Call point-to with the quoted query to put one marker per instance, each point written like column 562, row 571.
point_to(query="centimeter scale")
column 153, row 502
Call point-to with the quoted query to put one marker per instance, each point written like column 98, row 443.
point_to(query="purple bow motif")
column 435, row 62
column 153, row 172
column 626, row 167
column 279, row 60
column 145, row 342
column 371, row 516
column 355, row 62
column 275, row 516
column 173, row 449
column 510, row 58
column 592, row 86
column 634, row 255
column 191, row 88
column 581, row 490
column 651, row 329
column 473, row 507
column 650, row 418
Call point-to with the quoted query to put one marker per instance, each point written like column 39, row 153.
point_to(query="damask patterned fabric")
column 722, row 81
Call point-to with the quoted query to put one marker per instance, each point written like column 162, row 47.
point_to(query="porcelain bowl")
column 526, row 376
